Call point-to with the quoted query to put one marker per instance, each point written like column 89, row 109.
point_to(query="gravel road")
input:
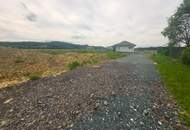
column 126, row 94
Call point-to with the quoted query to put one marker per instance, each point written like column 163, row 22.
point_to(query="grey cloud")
column 85, row 27
column 23, row 5
column 77, row 37
column 86, row 21
column 30, row 15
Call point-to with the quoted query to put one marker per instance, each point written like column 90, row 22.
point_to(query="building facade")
column 125, row 47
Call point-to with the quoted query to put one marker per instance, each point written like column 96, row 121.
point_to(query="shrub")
column 74, row 65
column 34, row 77
column 185, row 57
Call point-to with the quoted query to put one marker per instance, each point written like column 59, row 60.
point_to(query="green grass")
column 114, row 55
column 177, row 79
column 109, row 54
column 90, row 62
column 34, row 77
column 19, row 59
column 74, row 65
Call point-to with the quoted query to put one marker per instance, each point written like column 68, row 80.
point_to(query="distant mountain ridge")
column 48, row 45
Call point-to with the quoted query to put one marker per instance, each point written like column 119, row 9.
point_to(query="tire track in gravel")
column 120, row 95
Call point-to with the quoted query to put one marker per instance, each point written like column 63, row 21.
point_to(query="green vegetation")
column 34, row 77
column 50, row 45
column 19, row 64
column 74, row 65
column 186, row 56
column 19, row 59
column 90, row 62
column 114, row 55
column 178, row 29
column 63, row 51
column 52, row 51
column 109, row 54
column 177, row 79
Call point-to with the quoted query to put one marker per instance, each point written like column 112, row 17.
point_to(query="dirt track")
column 120, row 95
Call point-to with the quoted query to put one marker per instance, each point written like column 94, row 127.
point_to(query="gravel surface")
column 120, row 95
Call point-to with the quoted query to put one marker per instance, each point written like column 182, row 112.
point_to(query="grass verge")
column 114, row 55
column 177, row 79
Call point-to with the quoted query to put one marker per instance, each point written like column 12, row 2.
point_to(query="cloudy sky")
column 93, row 22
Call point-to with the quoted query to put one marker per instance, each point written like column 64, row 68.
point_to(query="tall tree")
column 178, row 29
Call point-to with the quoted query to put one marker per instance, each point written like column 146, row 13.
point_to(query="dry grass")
column 18, row 65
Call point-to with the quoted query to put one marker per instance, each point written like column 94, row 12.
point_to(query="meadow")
column 20, row 65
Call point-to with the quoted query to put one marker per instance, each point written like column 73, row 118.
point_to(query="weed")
column 34, row 77
column 74, row 65
column 19, row 59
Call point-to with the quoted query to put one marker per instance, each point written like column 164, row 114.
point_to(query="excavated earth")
column 126, row 94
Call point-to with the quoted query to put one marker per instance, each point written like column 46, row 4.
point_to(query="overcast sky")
column 93, row 22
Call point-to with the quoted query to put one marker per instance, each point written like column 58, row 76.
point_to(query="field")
column 18, row 65
column 177, row 79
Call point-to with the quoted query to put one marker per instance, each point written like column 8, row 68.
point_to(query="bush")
column 164, row 51
column 34, row 77
column 185, row 57
column 74, row 65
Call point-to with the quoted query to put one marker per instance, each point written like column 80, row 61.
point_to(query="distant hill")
column 48, row 45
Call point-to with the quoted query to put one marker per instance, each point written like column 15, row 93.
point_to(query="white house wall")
column 124, row 49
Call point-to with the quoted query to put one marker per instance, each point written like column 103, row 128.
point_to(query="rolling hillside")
column 48, row 45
